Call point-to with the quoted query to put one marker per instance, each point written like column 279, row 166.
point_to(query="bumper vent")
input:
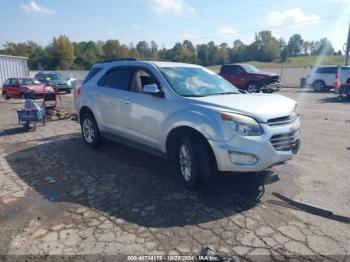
column 285, row 142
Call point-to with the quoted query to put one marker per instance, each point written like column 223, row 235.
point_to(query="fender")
column 89, row 102
column 207, row 122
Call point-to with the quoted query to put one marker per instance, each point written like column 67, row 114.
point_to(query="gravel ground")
column 58, row 197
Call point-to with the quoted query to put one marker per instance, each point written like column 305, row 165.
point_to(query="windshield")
column 250, row 68
column 28, row 81
column 196, row 81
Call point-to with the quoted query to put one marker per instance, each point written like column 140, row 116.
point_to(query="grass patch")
column 300, row 61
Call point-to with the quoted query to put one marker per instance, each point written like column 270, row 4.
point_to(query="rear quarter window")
column 92, row 73
column 116, row 79
column 327, row 70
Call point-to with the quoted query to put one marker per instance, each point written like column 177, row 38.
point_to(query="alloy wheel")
column 88, row 131
column 185, row 162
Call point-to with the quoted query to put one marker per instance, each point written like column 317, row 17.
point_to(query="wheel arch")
column 85, row 109
column 174, row 136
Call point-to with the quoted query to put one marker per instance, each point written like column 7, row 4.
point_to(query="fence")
column 290, row 76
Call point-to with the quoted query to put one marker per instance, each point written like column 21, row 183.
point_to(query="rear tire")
column 318, row 86
column 194, row 162
column 23, row 96
column 89, row 130
column 68, row 91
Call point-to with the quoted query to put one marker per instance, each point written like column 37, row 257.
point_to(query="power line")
column 150, row 28
column 273, row 27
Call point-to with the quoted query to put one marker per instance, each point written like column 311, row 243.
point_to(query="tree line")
column 64, row 54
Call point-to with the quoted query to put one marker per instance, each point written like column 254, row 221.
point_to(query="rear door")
column 111, row 96
column 327, row 74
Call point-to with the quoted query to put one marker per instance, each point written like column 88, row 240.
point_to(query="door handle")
column 127, row 101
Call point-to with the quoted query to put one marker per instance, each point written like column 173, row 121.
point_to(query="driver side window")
column 14, row 83
column 140, row 79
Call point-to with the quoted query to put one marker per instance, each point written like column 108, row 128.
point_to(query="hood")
column 59, row 82
column 262, row 107
column 39, row 88
column 263, row 74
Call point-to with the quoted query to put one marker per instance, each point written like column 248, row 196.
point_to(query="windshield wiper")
column 224, row 93
column 194, row 95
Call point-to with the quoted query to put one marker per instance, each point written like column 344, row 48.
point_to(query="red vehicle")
column 249, row 78
column 25, row 88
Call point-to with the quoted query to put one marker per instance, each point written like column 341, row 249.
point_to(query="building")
column 12, row 66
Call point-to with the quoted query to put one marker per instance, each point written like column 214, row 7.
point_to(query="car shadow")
column 334, row 99
column 129, row 184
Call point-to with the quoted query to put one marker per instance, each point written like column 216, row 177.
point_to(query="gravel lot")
column 59, row 197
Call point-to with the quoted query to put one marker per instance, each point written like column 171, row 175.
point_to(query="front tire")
column 89, row 130
column 252, row 87
column 5, row 96
column 194, row 162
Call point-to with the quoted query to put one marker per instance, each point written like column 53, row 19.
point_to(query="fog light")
column 239, row 158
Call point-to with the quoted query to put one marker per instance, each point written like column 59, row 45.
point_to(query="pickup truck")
column 249, row 78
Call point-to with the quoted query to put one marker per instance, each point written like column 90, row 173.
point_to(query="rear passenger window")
column 327, row 70
column 92, row 73
column 117, row 79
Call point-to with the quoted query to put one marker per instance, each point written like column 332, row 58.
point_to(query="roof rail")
column 118, row 60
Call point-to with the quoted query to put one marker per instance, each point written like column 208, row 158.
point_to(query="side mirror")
column 151, row 89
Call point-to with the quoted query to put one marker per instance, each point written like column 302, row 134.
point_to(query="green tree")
column 213, row 54
column 295, row 45
column 224, row 53
column 86, row 54
column 202, row 54
column 323, row 47
column 111, row 49
column 61, row 52
column 144, row 49
column 267, row 47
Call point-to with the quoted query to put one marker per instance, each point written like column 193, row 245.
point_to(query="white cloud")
column 226, row 31
column 33, row 8
column 177, row 7
column 293, row 15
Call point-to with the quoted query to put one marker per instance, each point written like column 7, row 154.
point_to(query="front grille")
column 280, row 121
column 270, row 80
column 285, row 142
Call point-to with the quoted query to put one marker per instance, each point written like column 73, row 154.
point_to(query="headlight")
column 242, row 125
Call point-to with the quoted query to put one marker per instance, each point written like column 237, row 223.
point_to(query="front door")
column 144, row 112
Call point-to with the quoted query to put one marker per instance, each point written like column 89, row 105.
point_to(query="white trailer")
column 13, row 66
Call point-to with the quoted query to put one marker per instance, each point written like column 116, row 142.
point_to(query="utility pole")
column 346, row 59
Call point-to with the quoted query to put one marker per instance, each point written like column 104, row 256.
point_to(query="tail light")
column 78, row 91
column 336, row 84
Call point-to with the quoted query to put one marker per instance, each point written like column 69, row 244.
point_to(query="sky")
column 170, row 21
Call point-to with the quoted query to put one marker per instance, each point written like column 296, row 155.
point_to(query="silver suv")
column 322, row 78
column 187, row 114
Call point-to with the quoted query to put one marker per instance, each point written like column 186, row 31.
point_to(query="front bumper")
column 258, row 146
column 48, row 96
column 271, row 87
